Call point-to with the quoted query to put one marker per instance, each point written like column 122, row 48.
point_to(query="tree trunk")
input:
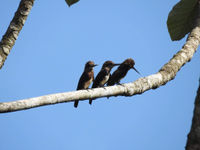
column 193, row 142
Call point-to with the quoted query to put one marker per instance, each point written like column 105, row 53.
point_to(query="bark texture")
column 166, row 73
column 193, row 142
column 8, row 40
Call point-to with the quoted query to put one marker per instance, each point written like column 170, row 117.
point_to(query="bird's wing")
column 84, row 77
column 115, row 77
column 99, row 78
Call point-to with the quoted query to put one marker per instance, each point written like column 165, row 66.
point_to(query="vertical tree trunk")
column 193, row 142
column 8, row 40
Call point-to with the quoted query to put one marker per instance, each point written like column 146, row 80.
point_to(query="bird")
column 121, row 72
column 86, row 78
column 103, row 76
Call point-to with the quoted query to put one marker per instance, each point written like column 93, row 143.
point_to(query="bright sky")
column 49, row 57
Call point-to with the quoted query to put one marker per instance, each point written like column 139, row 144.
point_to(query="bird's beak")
column 95, row 65
column 136, row 70
column 116, row 64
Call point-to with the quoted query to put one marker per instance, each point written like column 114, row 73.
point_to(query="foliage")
column 181, row 19
column 71, row 2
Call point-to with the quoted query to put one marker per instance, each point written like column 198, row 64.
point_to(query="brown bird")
column 121, row 71
column 103, row 76
column 86, row 78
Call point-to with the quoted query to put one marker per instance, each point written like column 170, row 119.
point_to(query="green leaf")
column 71, row 2
column 181, row 19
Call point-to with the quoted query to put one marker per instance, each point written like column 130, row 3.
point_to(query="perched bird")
column 103, row 76
column 86, row 78
column 121, row 71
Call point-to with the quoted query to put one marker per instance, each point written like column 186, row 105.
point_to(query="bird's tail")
column 90, row 101
column 76, row 103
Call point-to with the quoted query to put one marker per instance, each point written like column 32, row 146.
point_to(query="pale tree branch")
column 8, row 40
column 193, row 142
column 166, row 73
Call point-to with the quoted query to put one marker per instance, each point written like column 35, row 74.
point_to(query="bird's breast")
column 105, row 79
column 87, row 83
